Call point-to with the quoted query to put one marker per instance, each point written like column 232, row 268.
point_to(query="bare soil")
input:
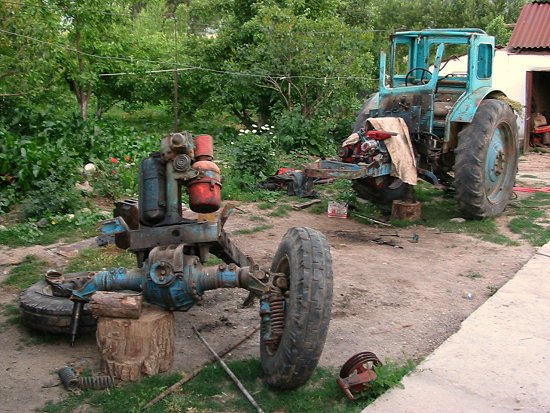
column 396, row 302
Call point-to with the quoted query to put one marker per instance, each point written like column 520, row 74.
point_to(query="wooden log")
column 116, row 304
column 132, row 348
column 406, row 211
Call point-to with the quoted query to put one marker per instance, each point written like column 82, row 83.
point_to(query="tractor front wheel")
column 486, row 161
column 301, row 308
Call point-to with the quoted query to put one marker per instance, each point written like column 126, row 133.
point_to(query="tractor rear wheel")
column 486, row 161
column 302, row 309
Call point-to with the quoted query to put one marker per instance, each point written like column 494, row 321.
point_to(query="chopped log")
column 116, row 304
column 130, row 349
column 406, row 211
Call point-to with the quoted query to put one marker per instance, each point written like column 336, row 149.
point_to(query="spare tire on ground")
column 44, row 311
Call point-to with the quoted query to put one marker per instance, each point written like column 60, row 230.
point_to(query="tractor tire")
column 304, row 256
column 392, row 190
column 370, row 103
column 41, row 310
column 486, row 161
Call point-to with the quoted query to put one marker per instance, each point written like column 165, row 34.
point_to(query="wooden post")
column 132, row 348
column 406, row 211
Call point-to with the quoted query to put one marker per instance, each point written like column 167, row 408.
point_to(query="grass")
column 530, row 219
column 280, row 211
column 93, row 259
column 213, row 391
column 11, row 311
column 83, row 225
column 253, row 230
column 472, row 275
column 31, row 270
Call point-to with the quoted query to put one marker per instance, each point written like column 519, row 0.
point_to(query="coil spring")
column 95, row 382
column 68, row 378
column 277, row 306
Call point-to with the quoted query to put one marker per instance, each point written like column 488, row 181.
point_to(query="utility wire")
column 185, row 68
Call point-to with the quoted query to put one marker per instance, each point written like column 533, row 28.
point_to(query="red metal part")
column 357, row 373
column 204, row 148
column 205, row 191
column 379, row 135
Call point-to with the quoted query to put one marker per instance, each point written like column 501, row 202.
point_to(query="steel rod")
column 229, row 372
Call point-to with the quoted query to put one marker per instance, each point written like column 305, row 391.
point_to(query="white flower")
column 241, row 134
column 272, row 127
column 233, row 143
column 247, row 131
column 264, row 127
column 241, row 130
column 254, row 125
column 254, row 131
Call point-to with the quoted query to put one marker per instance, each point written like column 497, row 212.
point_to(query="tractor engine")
column 368, row 148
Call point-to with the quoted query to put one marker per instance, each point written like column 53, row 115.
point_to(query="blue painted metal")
column 114, row 279
column 113, row 226
column 265, row 314
column 494, row 166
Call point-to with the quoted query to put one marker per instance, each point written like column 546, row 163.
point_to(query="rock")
column 43, row 223
column 89, row 169
column 84, row 187
column 468, row 295
column 457, row 220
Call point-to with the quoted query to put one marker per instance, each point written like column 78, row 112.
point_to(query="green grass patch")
column 93, row 259
column 213, row 391
column 12, row 314
column 530, row 219
column 66, row 228
column 281, row 211
column 473, row 275
column 252, row 230
column 266, row 205
column 31, row 270
column 529, row 176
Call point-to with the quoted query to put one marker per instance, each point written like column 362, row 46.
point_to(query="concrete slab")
column 499, row 360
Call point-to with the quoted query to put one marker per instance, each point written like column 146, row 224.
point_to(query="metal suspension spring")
column 277, row 305
column 95, row 382
column 68, row 378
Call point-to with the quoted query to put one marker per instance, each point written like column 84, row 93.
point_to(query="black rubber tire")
column 366, row 190
column 43, row 311
column 304, row 255
column 370, row 103
column 481, row 191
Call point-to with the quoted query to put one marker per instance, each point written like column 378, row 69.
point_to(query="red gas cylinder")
column 204, row 148
column 205, row 191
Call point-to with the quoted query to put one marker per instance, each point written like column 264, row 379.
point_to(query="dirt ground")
column 396, row 302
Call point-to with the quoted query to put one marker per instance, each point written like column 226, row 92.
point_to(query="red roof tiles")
column 532, row 30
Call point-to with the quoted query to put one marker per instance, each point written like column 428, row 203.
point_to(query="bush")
column 53, row 196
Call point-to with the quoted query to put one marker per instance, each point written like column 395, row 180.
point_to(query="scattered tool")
column 357, row 373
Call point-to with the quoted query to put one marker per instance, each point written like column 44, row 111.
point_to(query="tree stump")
column 406, row 211
column 116, row 304
column 132, row 348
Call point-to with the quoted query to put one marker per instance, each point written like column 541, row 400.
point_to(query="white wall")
column 509, row 74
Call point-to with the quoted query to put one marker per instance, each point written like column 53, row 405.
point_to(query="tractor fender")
column 466, row 107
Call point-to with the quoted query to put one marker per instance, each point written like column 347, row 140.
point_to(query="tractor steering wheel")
column 424, row 71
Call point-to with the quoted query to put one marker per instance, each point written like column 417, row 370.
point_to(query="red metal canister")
column 205, row 191
column 204, row 148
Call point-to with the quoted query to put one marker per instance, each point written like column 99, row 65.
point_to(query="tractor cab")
column 416, row 87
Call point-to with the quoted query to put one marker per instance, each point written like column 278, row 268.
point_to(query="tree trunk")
column 406, row 211
column 130, row 349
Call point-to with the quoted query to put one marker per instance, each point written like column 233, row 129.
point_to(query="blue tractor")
column 462, row 132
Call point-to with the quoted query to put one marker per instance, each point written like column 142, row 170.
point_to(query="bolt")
column 232, row 267
column 221, row 267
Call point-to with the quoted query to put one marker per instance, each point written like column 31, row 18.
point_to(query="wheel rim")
column 498, row 163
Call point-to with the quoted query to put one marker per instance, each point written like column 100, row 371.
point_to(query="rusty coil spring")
column 95, row 382
column 68, row 378
column 277, row 306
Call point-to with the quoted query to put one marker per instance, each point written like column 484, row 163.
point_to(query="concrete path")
column 499, row 360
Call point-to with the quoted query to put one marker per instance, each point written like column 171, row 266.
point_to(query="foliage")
column 69, row 227
column 53, row 196
column 213, row 391
column 29, row 271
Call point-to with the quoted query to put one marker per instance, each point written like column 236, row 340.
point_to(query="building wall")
column 509, row 74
